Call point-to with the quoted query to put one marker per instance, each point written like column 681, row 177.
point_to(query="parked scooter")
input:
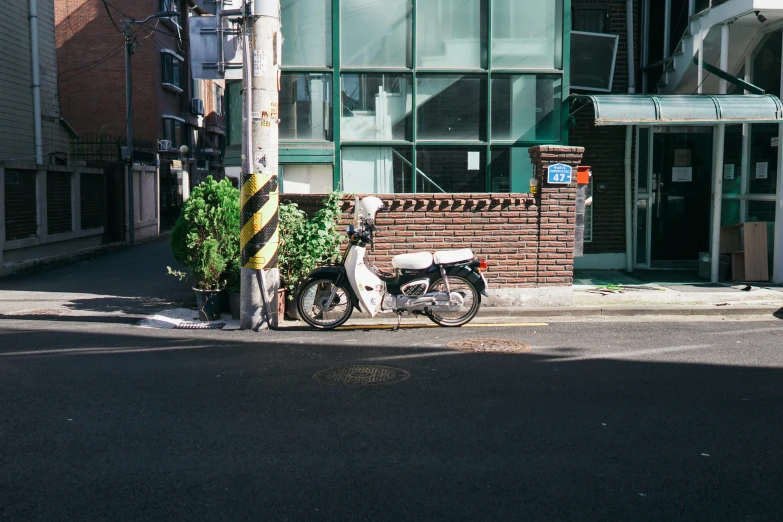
column 446, row 285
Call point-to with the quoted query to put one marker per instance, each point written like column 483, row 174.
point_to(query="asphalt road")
column 602, row 420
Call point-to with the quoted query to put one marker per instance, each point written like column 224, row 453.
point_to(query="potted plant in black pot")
column 307, row 242
column 205, row 239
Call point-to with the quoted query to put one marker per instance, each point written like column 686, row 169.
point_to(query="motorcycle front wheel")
column 312, row 299
column 466, row 312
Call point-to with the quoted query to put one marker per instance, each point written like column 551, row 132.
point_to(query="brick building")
column 701, row 137
column 169, row 108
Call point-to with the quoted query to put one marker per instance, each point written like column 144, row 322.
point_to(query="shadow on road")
column 131, row 425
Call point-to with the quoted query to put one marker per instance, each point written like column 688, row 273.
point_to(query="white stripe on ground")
column 103, row 351
column 634, row 353
column 743, row 332
column 415, row 355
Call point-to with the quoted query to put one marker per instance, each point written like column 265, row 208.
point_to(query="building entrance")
column 680, row 199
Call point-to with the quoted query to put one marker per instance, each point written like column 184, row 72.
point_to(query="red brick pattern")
column 91, row 65
column 527, row 241
column 605, row 146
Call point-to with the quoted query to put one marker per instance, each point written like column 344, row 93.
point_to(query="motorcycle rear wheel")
column 311, row 303
column 466, row 312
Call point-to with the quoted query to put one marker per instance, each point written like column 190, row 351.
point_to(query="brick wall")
column 527, row 241
column 91, row 60
column 605, row 146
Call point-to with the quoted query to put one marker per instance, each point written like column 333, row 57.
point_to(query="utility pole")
column 259, row 193
column 128, row 157
column 126, row 29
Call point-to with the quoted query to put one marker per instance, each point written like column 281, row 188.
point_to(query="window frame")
column 170, row 64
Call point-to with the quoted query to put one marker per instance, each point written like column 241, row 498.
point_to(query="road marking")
column 415, row 355
column 104, row 351
column 424, row 325
column 636, row 353
column 743, row 332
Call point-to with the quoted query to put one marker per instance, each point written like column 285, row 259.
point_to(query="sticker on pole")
column 558, row 174
column 260, row 63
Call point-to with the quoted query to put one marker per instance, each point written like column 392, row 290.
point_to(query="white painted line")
column 635, row 353
column 105, row 351
column 426, row 325
column 415, row 355
column 751, row 331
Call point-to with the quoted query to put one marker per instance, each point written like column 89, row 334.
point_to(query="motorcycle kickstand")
column 399, row 320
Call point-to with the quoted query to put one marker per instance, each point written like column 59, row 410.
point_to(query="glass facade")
column 305, row 106
column 424, row 95
column 308, row 32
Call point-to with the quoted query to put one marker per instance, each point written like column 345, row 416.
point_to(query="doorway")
column 680, row 198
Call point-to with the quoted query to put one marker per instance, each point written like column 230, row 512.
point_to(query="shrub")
column 307, row 243
column 205, row 238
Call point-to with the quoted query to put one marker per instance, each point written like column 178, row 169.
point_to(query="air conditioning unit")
column 164, row 145
column 197, row 106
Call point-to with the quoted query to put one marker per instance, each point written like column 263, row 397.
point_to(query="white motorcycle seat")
column 447, row 257
column 412, row 261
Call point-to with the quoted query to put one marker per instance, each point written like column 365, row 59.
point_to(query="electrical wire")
column 105, row 5
column 89, row 66
column 27, row 157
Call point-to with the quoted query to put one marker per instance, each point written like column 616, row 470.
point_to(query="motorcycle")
column 446, row 285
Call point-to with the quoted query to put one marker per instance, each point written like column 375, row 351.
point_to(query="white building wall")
column 17, row 136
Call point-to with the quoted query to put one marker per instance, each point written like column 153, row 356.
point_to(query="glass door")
column 680, row 195
column 643, row 208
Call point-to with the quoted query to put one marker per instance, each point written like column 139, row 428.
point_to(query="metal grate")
column 361, row 375
column 200, row 326
column 490, row 345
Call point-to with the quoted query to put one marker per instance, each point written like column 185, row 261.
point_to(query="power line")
column 111, row 17
column 91, row 65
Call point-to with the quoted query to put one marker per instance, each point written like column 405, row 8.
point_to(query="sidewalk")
column 127, row 285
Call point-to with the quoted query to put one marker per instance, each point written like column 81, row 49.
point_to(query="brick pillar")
column 557, row 215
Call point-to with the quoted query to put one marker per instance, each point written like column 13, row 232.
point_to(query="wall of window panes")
column 424, row 95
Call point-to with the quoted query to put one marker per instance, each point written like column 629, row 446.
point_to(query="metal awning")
column 684, row 109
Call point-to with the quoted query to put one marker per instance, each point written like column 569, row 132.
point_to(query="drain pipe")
column 629, row 144
column 36, row 81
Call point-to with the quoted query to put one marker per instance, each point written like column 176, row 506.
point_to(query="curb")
column 74, row 256
column 620, row 310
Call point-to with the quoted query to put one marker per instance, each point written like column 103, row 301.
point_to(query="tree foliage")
column 306, row 243
column 205, row 238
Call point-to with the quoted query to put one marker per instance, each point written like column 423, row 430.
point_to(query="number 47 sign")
column 559, row 174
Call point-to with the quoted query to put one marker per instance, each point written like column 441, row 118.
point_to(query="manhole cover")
column 199, row 326
column 490, row 345
column 361, row 376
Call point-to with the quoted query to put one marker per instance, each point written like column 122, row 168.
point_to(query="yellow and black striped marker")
column 260, row 229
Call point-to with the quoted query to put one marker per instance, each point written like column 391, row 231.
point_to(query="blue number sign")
column 559, row 174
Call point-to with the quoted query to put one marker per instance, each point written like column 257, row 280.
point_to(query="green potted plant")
column 306, row 243
column 205, row 240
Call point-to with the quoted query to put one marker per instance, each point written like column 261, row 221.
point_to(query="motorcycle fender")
column 471, row 275
column 332, row 273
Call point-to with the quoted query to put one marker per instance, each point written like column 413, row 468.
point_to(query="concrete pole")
column 627, row 164
column 260, row 199
column 126, row 27
column 777, row 247
column 720, row 137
